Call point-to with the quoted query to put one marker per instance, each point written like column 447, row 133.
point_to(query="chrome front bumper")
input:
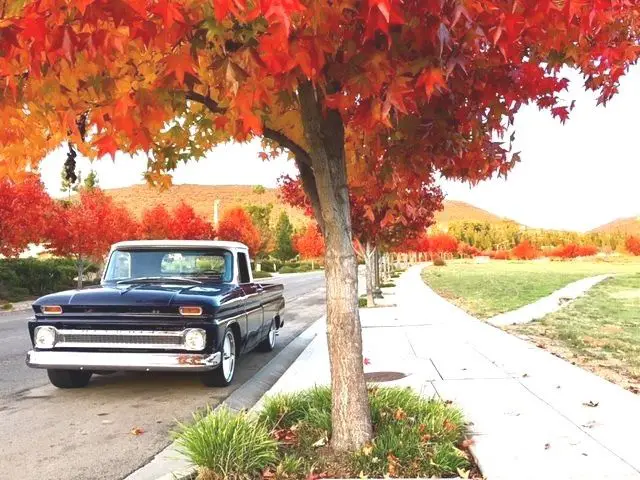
column 194, row 362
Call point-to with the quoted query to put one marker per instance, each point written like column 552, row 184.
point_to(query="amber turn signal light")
column 190, row 311
column 51, row 309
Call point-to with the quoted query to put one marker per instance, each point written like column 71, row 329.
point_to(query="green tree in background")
column 68, row 185
column 284, row 234
column 91, row 181
column 261, row 217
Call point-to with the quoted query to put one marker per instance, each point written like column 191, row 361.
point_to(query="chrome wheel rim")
column 272, row 334
column 228, row 356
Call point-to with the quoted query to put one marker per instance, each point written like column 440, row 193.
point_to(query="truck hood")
column 152, row 295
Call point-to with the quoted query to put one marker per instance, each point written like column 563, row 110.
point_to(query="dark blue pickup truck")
column 163, row 305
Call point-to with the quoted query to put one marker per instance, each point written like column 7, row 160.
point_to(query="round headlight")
column 45, row 337
column 195, row 339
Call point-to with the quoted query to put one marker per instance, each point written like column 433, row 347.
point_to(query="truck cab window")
column 243, row 269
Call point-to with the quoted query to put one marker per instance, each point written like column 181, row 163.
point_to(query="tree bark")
column 324, row 131
column 369, row 255
column 80, row 267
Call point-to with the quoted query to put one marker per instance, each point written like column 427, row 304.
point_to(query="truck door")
column 253, row 301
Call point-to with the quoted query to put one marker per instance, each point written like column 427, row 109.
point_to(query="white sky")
column 574, row 176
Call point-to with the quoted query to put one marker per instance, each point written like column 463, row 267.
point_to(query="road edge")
column 169, row 464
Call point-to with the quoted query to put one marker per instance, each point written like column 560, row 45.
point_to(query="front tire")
column 269, row 343
column 223, row 375
column 69, row 378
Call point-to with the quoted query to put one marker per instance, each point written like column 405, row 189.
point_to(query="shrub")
column 633, row 245
column 387, row 285
column 525, row 250
column 439, row 261
column 414, row 436
column 262, row 274
column 227, row 445
column 7, row 306
column 304, row 267
column 287, row 269
column 272, row 265
column 467, row 250
column 28, row 277
column 573, row 250
column 362, row 302
column 500, row 255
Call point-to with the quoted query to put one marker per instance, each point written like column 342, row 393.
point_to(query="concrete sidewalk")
column 533, row 415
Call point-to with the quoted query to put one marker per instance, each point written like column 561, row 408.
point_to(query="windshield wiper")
column 158, row 280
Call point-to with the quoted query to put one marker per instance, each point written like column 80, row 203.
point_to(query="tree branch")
column 308, row 180
column 208, row 102
column 300, row 153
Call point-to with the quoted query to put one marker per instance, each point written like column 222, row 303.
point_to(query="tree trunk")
column 327, row 189
column 80, row 267
column 369, row 256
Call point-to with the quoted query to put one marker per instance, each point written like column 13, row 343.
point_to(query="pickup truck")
column 162, row 305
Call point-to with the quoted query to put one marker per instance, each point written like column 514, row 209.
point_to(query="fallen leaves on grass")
column 285, row 435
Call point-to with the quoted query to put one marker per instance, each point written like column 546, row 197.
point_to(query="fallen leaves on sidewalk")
column 591, row 403
column 136, row 431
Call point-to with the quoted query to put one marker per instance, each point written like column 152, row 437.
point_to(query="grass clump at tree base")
column 289, row 439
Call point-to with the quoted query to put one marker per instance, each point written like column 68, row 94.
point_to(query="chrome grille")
column 119, row 339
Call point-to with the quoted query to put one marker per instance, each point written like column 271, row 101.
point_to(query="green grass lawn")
column 487, row 289
column 600, row 331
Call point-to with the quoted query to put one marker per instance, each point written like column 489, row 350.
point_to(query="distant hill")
column 628, row 226
column 456, row 211
column 201, row 197
column 139, row 198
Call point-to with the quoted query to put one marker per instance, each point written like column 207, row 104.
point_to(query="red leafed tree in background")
column 156, row 223
column 426, row 86
column 385, row 212
column 525, row 250
column 25, row 211
column 633, row 245
column 572, row 250
column 187, row 225
column 236, row 225
column 309, row 244
column 85, row 229
column 182, row 223
column 442, row 243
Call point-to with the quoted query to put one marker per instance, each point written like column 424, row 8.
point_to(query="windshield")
column 216, row 265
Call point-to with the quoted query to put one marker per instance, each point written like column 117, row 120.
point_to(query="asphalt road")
column 52, row 434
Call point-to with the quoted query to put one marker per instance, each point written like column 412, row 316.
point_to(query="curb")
column 169, row 464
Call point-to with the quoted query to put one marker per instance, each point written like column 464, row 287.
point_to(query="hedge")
column 23, row 278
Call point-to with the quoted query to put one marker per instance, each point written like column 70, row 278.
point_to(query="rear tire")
column 223, row 375
column 269, row 343
column 69, row 378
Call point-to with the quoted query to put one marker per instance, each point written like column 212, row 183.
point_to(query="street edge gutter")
column 242, row 398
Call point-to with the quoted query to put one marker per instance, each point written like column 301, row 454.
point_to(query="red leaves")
column 309, row 244
column 525, row 250
column 169, row 11
column 432, row 80
column 236, row 224
column 178, row 65
column 181, row 224
column 89, row 226
column 560, row 112
column 633, row 245
column 106, row 144
column 25, row 210
column 573, row 250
